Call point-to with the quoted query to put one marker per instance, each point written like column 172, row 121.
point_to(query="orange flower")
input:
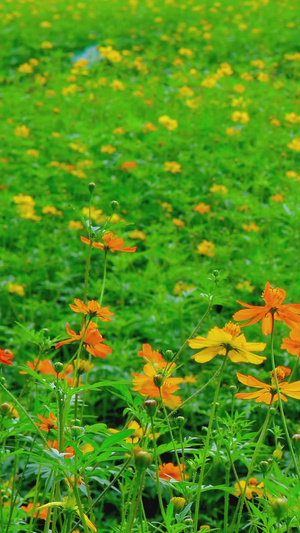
column 47, row 423
column 292, row 345
column 5, row 356
column 169, row 471
column 128, row 165
column 41, row 514
column 43, row 367
column 147, row 384
column 150, row 355
column 267, row 393
column 252, row 488
column 111, row 242
column 92, row 309
column 288, row 313
column 69, row 452
column 93, row 340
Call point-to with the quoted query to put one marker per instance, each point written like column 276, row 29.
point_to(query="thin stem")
column 250, row 470
column 160, row 501
column 280, row 403
column 206, row 446
column 137, row 502
column 104, row 277
column 87, row 271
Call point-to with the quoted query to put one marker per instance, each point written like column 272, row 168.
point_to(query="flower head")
column 155, row 384
column 92, row 309
column 292, row 344
column 253, row 487
column 111, row 242
column 169, row 472
column 43, row 367
column 5, row 356
column 267, row 393
column 288, row 313
column 47, row 423
column 227, row 341
column 92, row 340
column 150, row 355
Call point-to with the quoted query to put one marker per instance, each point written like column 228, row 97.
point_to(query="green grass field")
column 184, row 117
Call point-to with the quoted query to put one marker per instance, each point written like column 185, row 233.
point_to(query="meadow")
column 150, row 294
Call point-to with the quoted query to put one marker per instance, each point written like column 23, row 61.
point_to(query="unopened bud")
column 178, row 503
column 278, row 453
column 114, row 204
column 279, row 507
column 142, row 458
column 233, row 389
column 76, row 431
column 158, row 380
column 180, row 421
column 205, row 527
column 169, row 353
column 296, row 440
column 5, row 408
column 264, row 465
column 150, row 405
column 273, row 411
column 92, row 186
column 58, row 367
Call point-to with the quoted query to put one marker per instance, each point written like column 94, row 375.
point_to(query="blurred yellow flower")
column 137, row 234
column 178, row 222
column 258, row 63
column 294, row 144
column 277, row 198
column 149, row 127
column 240, row 116
column 75, row 224
column 46, row 45
column 51, row 210
column 33, row 153
column 15, row 288
column 202, row 208
column 206, row 248
column 251, row 227
column 22, row 131
column 26, row 68
column 219, row 188
column 167, row 122
column 293, row 118
column 107, row 149
column 245, row 286
column 119, row 131
column 117, row 85
column 172, row 166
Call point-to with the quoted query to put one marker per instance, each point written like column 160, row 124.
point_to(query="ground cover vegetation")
column 150, row 300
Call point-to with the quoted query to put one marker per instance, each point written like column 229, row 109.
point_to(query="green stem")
column 160, row 501
column 175, row 357
column 87, row 271
column 250, row 470
column 137, row 501
column 226, row 498
column 206, row 446
column 280, row 403
column 104, row 277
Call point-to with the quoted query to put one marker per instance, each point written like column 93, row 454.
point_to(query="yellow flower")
column 185, row 91
column 178, row 222
column 149, row 127
column 15, row 288
column 51, row 210
column 26, row 68
column 46, row 45
column 246, row 76
column 33, row 153
column 172, row 166
column 181, row 287
column 187, row 52
column 22, row 131
column 258, row 63
column 202, row 208
column 263, row 76
column 245, row 286
column 107, row 149
column 227, row 341
column 96, row 214
column 277, row 198
column 294, row 144
column 137, row 234
column 45, row 24
column 117, row 85
column 109, row 53
column 206, row 248
column 75, row 224
column 240, row 116
column 225, row 69
column 292, row 174
column 119, row 131
column 233, row 131
column 251, row 227
column 239, row 88
column 252, row 488
column 293, row 118
column 24, row 199
column 219, row 188
column 167, row 122
column 275, row 122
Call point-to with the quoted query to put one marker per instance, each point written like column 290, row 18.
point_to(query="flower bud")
column 58, row 367
column 5, row 408
column 264, row 465
column 169, row 354
column 180, row 421
column 178, row 503
column 279, row 507
column 142, row 458
column 114, row 204
column 273, row 410
column 205, row 527
column 158, row 380
column 278, row 453
column 296, row 440
column 233, row 389
column 150, row 405
column 92, row 186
